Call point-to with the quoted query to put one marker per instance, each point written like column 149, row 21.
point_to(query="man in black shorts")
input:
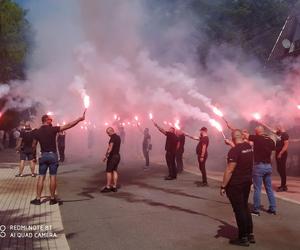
column 171, row 148
column 46, row 137
column 180, row 150
column 25, row 147
column 112, row 158
column 236, row 183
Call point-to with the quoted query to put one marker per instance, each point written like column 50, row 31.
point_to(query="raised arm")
column 160, row 129
column 191, row 137
column 268, row 127
column 73, row 123
column 229, row 126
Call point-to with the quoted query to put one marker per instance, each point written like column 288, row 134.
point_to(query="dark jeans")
column 202, row 169
column 238, row 196
column 281, row 168
column 61, row 151
column 146, row 155
column 170, row 158
column 179, row 161
column 48, row 160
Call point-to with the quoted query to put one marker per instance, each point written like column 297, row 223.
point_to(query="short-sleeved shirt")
column 46, row 136
column 281, row 138
column 181, row 139
column 171, row 143
column 116, row 140
column 146, row 140
column 204, row 140
column 27, row 140
column 263, row 146
column 242, row 155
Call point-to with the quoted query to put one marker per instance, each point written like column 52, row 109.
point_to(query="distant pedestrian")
column 236, row 183
column 46, row 137
column 26, row 149
column 61, row 145
column 112, row 158
column 180, row 151
column 262, row 170
column 146, row 145
column 202, row 152
column 171, row 148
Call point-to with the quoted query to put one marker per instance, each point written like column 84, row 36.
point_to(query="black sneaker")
column 251, row 239
column 114, row 189
column 204, row 184
column 168, row 178
column 19, row 175
column 33, row 175
column 282, row 189
column 240, row 242
column 53, row 201
column 270, row 211
column 105, row 190
column 256, row 213
column 36, row 202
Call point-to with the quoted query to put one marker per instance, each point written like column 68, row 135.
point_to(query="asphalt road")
column 150, row 213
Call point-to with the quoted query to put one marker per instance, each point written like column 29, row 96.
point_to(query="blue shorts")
column 48, row 160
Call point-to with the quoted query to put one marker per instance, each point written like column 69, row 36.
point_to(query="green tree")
column 14, row 45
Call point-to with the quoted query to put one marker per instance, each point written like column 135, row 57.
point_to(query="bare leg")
column 40, row 185
column 109, row 177
column 115, row 178
column 52, row 186
column 21, row 168
column 32, row 166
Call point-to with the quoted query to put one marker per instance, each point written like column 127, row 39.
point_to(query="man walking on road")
column 236, row 183
column 112, row 158
column 263, row 146
column 171, row 148
column 46, row 137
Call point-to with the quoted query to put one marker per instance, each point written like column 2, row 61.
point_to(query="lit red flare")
column 215, row 124
column 136, row 118
column 256, row 116
column 176, row 124
column 86, row 101
column 217, row 111
column 150, row 116
column 298, row 107
column 50, row 113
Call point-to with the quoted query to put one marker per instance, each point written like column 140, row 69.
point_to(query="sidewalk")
column 25, row 226
column 293, row 183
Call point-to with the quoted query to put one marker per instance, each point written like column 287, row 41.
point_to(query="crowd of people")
column 248, row 162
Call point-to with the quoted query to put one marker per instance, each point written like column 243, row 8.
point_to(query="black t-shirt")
column 116, row 140
column 147, row 137
column 27, row 139
column 204, row 140
column 242, row 155
column 281, row 138
column 181, row 139
column 263, row 146
column 46, row 136
column 171, row 142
